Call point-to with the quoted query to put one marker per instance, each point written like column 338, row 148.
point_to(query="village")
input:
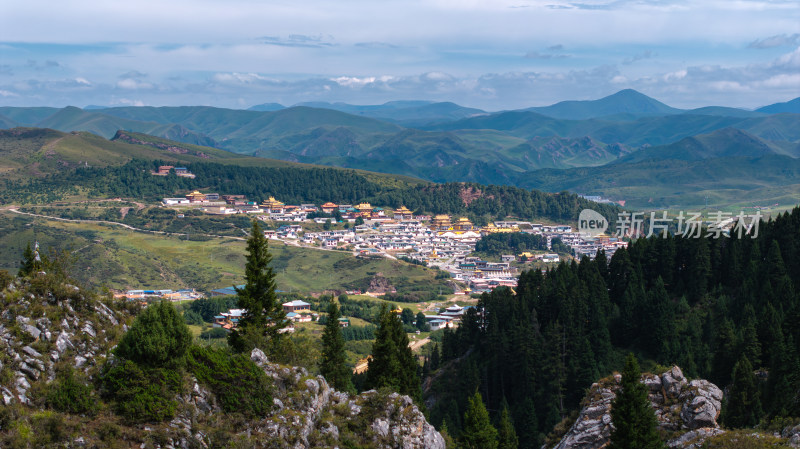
column 439, row 241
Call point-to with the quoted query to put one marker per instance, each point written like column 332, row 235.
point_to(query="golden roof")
column 464, row 220
column 402, row 210
column 329, row 204
column 272, row 202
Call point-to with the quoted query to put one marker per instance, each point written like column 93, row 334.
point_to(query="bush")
column 141, row 394
column 158, row 337
column 216, row 332
column 70, row 395
column 238, row 383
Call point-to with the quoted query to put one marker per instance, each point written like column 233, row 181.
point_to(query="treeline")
column 312, row 185
column 721, row 309
column 510, row 243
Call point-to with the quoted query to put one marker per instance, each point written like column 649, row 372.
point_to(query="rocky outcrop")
column 308, row 413
column 37, row 331
column 689, row 409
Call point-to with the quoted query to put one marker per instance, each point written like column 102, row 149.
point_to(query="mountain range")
column 440, row 142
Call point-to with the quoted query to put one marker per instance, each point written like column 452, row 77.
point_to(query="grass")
column 118, row 258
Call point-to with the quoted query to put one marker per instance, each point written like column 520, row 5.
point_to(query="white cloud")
column 133, row 84
column 6, row 93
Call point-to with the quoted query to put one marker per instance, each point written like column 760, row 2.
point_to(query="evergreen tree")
column 478, row 432
column 633, row 417
column 743, row 405
column 264, row 316
column 506, row 436
column 393, row 365
column 422, row 323
column 158, row 337
column 332, row 365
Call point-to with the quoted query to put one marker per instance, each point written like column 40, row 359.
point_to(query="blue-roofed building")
column 224, row 291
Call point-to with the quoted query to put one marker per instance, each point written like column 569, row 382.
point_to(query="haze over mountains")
column 568, row 145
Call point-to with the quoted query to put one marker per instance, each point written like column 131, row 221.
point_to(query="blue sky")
column 497, row 54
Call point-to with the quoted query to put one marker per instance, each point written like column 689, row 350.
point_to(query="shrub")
column 216, row 332
column 157, row 337
column 141, row 394
column 238, row 383
column 70, row 395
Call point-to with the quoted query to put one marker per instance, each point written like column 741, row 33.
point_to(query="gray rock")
column 79, row 361
column 259, row 358
column 31, row 352
column 702, row 405
column 89, row 329
column 694, row 439
column 381, row 427
column 29, row 371
column 8, row 396
column 63, row 342
column 672, row 382
column 678, row 404
column 792, row 434
column 32, row 331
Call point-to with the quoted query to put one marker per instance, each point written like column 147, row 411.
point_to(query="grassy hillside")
column 729, row 182
column 626, row 101
column 105, row 255
column 26, row 152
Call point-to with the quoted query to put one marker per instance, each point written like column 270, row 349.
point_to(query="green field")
column 117, row 258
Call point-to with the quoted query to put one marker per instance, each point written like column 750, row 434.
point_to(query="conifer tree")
column 264, row 316
column 743, row 405
column 506, row 435
column 393, row 365
column 631, row 413
column 478, row 432
column 332, row 365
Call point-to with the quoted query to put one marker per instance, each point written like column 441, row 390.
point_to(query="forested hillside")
column 712, row 306
column 297, row 185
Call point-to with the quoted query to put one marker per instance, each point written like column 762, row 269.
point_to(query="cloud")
column 83, row 81
column 133, row 84
column 375, row 45
column 557, row 47
column 135, row 74
column 780, row 40
column 647, row 54
column 537, row 55
column 35, row 65
column 6, row 93
column 299, row 40
column 5, row 69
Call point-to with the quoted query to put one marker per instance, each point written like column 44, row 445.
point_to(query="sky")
column 489, row 54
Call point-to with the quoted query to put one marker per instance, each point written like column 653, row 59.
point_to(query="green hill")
column 626, row 101
column 727, row 182
column 791, row 106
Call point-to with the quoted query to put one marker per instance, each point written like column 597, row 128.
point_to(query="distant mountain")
column 792, row 106
column 725, row 182
column 727, row 142
column 658, row 130
column 268, row 107
column 407, row 113
column 27, row 116
column 626, row 101
column 93, row 107
column 6, row 122
column 721, row 111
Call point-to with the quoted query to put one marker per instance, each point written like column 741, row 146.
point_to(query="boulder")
column 677, row 403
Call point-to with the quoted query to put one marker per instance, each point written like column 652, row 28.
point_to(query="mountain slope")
column 791, row 106
column 726, row 182
column 726, row 142
column 626, row 101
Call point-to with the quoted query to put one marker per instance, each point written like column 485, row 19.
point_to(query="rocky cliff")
column 45, row 327
column 687, row 411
